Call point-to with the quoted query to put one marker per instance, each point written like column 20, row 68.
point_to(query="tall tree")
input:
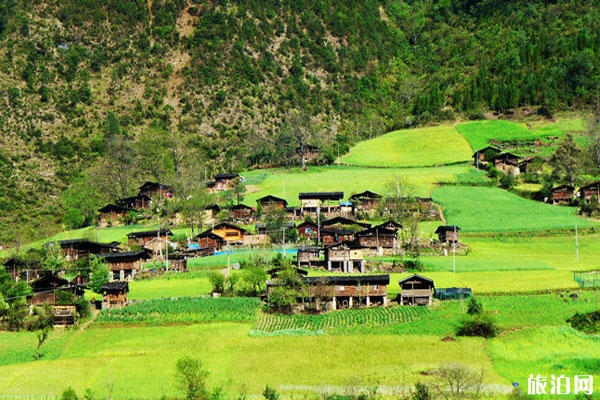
column 567, row 160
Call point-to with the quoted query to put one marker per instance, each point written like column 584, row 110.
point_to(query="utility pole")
column 454, row 251
column 576, row 244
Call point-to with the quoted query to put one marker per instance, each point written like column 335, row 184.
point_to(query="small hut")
column 114, row 294
column 417, row 290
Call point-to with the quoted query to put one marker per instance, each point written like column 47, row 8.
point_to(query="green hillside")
column 94, row 90
column 422, row 147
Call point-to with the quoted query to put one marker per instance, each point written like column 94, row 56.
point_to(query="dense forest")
column 101, row 95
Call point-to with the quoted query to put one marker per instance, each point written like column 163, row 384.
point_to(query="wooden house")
column 136, row 202
column 482, row 156
column 365, row 202
column 344, row 257
column 308, row 230
column 310, row 256
column 177, row 262
column 563, row 194
column 590, row 191
column 231, row 233
column 447, row 234
column 271, row 203
column 75, row 249
column 124, row 266
column 210, row 240
column 506, row 162
column 242, row 212
column 378, row 238
column 416, row 290
column 335, row 235
column 142, row 238
column 64, row 315
column 112, row 214
column 114, row 294
column 324, row 293
column 391, row 224
column 342, row 222
column 313, row 203
column 45, row 289
column 153, row 189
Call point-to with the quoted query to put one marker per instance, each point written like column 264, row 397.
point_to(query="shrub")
column 482, row 326
column 587, row 323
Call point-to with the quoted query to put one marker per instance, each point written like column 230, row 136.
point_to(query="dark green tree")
column 99, row 273
column 567, row 160
column 192, row 378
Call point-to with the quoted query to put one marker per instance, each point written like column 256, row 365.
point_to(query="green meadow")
column 438, row 145
column 487, row 209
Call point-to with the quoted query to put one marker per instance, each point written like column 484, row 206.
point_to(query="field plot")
column 288, row 183
column 184, row 310
column 546, row 351
column 484, row 209
column 280, row 324
column 170, row 285
column 439, row 145
column 139, row 362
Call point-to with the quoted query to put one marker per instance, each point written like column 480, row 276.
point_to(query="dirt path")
column 81, row 328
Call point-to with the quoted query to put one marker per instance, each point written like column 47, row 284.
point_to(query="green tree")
column 193, row 208
column 99, row 273
column 567, row 160
column 40, row 321
column 53, row 259
column 69, row 394
column 192, row 378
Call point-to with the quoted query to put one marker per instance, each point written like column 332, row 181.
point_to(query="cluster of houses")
column 566, row 194
column 337, row 292
column 506, row 162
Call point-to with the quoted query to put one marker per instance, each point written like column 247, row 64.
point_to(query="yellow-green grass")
column 479, row 133
column 178, row 285
column 438, row 145
column 486, row 209
column 140, row 362
column 546, row 351
column 287, row 183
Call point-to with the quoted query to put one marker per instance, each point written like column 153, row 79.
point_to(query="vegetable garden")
column 276, row 323
column 185, row 310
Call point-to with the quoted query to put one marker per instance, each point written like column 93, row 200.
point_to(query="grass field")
column 485, row 209
column 439, row 145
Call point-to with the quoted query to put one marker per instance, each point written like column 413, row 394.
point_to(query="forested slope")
column 99, row 96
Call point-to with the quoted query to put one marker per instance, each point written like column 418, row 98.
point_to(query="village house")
column 140, row 239
column 310, row 151
column 590, row 191
column 242, row 212
column 114, row 294
column 310, row 256
column 271, row 203
column 308, row 230
column 153, row 189
column 47, row 289
column 365, row 202
column 136, row 202
column 314, row 203
column 177, row 262
column 231, row 233
column 507, row 163
column 334, row 235
column 416, row 290
column 483, row 156
column 325, row 293
column 75, row 249
column 380, row 239
column 124, row 266
column 563, row 194
column 447, row 234
column 344, row 257
column 208, row 240
column 112, row 215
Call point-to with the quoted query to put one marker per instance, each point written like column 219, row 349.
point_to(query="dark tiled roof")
column 321, row 195
column 348, row 280
column 155, row 232
column 365, row 195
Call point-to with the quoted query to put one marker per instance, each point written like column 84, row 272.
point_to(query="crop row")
column 341, row 318
column 184, row 310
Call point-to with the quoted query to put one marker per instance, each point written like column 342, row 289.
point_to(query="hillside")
column 102, row 96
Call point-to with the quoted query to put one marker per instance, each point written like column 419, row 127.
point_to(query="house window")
column 342, row 288
column 375, row 287
column 231, row 234
column 116, row 275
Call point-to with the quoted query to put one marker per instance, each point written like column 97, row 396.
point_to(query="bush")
column 587, row 323
column 482, row 326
